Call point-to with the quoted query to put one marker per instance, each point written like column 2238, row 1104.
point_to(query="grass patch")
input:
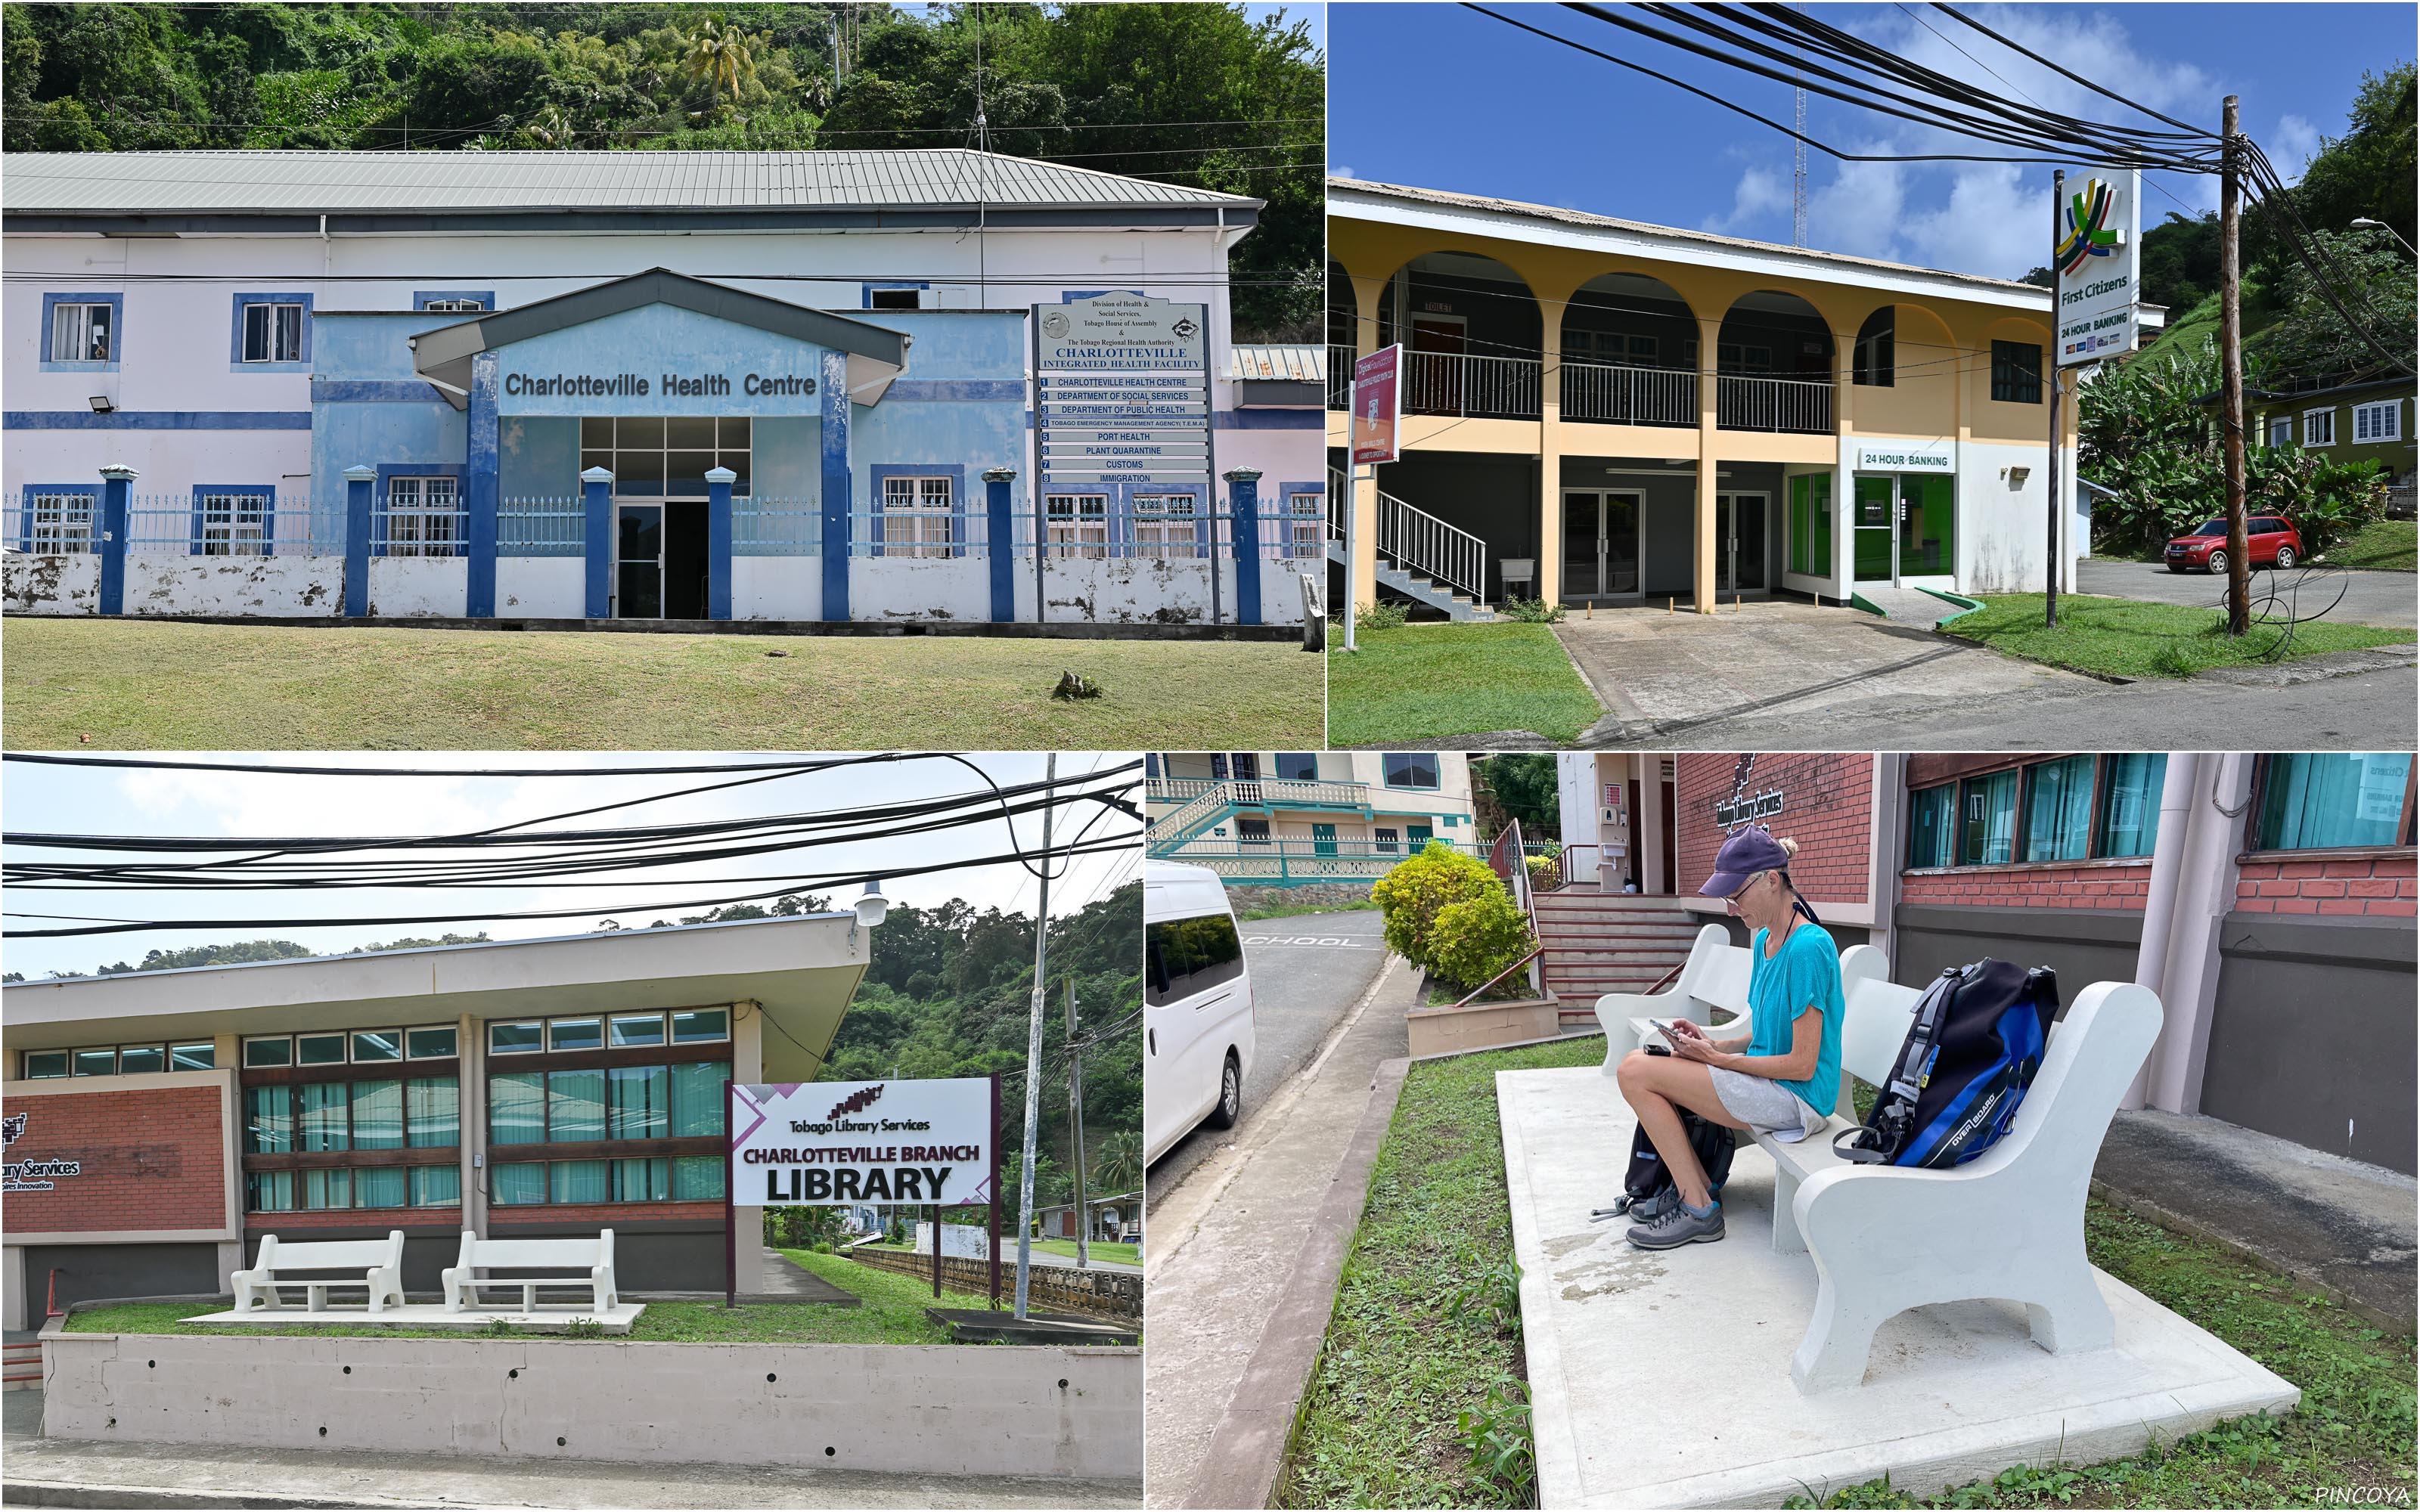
column 2132, row 637
column 1297, row 910
column 1420, row 1379
column 2381, row 546
column 1419, row 681
column 1405, row 1374
column 893, row 1312
column 132, row 685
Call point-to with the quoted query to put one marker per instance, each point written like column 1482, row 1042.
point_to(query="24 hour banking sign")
column 837, row 1144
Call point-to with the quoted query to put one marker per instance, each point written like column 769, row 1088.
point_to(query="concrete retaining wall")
column 266, row 587
column 1443, row 1030
column 419, row 587
column 541, row 587
column 955, row 1409
column 66, row 584
column 777, row 587
column 1114, row 1294
column 920, row 588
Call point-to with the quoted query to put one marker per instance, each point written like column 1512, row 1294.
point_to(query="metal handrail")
column 1801, row 406
column 1417, row 541
column 1340, row 375
column 1491, row 981
column 1623, row 394
column 1477, row 388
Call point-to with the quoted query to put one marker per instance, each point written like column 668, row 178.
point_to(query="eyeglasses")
column 1732, row 901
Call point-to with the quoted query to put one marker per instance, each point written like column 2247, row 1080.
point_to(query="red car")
column 2272, row 540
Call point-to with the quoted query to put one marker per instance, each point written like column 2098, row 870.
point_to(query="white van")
column 1197, row 1036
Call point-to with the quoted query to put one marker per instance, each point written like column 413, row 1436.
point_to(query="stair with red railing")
column 1609, row 941
column 21, row 1366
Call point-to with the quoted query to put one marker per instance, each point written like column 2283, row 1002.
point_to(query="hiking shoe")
column 1655, row 1204
column 1678, row 1226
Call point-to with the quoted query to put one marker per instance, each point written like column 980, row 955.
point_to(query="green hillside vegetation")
column 1197, row 95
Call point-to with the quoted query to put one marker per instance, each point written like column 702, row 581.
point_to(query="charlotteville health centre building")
column 693, row 386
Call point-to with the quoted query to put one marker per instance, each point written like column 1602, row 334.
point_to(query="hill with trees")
column 1189, row 94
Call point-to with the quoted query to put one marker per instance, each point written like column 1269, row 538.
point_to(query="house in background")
column 1293, row 818
column 2360, row 421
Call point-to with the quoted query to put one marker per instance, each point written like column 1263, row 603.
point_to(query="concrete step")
column 1606, row 929
column 21, row 1366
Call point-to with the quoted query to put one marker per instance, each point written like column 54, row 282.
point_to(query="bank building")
column 687, row 386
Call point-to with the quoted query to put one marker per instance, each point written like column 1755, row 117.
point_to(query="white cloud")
column 1762, row 192
column 2291, row 148
column 1340, row 172
column 1860, row 210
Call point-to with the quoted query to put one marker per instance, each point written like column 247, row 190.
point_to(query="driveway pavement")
column 1789, row 676
column 1307, row 971
column 1672, row 671
column 2369, row 597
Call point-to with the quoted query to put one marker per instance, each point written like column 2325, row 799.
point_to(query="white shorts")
column 1764, row 1105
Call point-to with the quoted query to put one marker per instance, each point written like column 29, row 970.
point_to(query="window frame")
column 904, row 497
column 296, row 358
column 59, row 519
column 2096, row 852
column 25, row 1070
column 224, row 527
column 2327, row 414
column 1436, row 767
column 1175, row 534
column 1085, row 531
column 2407, row 827
column 2010, row 381
column 115, row 338
column 2392, row 409
column 453, row 300
column 415, row 531
column 2281, row 422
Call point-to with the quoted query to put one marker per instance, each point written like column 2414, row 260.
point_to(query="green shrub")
column 1477, row 938
column 1385, row 614
column 1531, row 611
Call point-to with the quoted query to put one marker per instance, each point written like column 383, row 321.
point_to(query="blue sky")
column 1315, row 14
column 85, row 801
column 1441, row 97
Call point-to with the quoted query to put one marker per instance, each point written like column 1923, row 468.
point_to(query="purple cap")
column 1742, row 856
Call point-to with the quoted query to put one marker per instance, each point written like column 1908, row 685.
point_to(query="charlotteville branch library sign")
column 840, row 1144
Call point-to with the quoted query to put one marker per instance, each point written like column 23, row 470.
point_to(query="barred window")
column 1163, row 526
column 916, row 518
column 1079, row 524
column 423, row 516
column 1306, row 524
column 232, row 524
column 60, row 522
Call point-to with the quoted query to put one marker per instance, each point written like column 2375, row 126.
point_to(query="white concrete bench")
column 1714, row 977
column 568, row 1262
column 2008, row 1224
column 380, row 1260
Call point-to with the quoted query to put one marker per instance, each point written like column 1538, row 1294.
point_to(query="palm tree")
column 723, row 56
column 1120, row 1160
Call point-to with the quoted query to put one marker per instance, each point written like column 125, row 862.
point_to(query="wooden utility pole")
column 1033, row 1046
column 1075, row 1120
column 2049, row 590
column 2230, row 357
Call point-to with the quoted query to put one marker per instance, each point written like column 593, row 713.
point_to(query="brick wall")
column 153, row 1158
column 1826, row 806
column 447, row 1220
column 2102, row 886
column 2379, row 885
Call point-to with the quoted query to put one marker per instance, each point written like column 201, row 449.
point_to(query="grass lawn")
column 1418, row 681
column 2130, row 638
column 2382, row 545
column 893, row 1312
column 130, row 684
column 1401, row 1360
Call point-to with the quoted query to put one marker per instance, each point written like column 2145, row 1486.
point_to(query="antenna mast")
column 1798, row 166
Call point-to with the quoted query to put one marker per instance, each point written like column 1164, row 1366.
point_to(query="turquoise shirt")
column 1804, row 974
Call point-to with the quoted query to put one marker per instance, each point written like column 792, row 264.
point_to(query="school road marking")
column 1332, row 942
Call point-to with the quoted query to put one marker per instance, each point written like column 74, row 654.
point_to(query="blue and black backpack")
column 1974, row 1046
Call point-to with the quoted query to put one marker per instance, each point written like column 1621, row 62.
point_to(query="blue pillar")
column 717, row 542
column 479, row 603
column 1001, row 541
column 116, row 508
column 358, row 482
column 832, row 389
column 597, row 535
column 1244, row 505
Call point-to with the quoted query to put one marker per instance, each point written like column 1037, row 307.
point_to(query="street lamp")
column 872, row 907
column 2364, row 220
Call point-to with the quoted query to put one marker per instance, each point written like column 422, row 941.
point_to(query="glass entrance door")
column 1875, row 556
column 638, row 562
column 1600, row 544
column 1739, row 542
column 1928, row 525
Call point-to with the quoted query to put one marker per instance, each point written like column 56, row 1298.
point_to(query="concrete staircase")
column 1418, row 555
column 23, row 1367
column 1609, row 941
column 1422, row 589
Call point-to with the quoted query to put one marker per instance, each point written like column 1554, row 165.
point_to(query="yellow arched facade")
column 1943, row 392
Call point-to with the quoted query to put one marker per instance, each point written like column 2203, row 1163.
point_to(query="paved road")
column 1307, row 971
column 2369, row 597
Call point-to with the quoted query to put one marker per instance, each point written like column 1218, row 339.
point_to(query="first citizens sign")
column 838, row 1144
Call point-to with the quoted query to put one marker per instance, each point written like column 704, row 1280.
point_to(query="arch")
column 1873, row 362
column 1343, row 309
column 1629, row 343
column 1774, row 357
column 1898, row 337
column 1471, row 332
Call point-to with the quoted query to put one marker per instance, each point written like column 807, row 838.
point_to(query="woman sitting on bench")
column 1780, row 1078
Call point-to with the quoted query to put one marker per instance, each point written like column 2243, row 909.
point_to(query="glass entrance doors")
column 1739, row 542
column 1600, row 544
column 1907, row 526
column 638, row 562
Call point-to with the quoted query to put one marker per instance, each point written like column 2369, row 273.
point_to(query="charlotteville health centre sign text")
column 837, row 1144
column 637, row 386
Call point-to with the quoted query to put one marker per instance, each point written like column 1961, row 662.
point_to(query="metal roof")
column 1523, row 210
column 103, row 183
column 1289, row 364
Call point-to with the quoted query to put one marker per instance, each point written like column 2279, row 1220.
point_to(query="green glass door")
column 1323, row 839
column 1928, row 525
column 1872, row 550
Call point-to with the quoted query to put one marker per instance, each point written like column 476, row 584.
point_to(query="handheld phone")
column 1660, row 1026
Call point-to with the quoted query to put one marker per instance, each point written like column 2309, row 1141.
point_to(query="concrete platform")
column 1663, row 1378
column 546, row 1319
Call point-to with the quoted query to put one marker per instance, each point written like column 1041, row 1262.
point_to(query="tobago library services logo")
column 31, row 1175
